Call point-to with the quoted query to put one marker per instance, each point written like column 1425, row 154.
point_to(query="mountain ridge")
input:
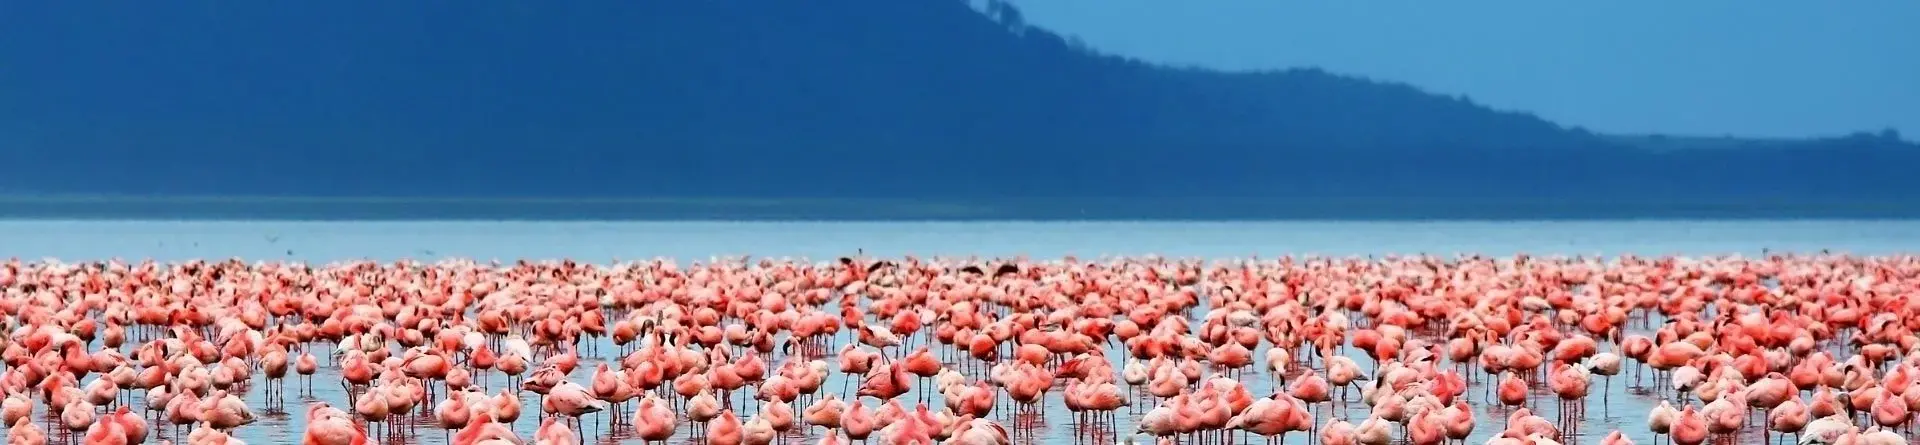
column 854, row 98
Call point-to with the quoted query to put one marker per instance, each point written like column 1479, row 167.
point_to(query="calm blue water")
column 603, row 241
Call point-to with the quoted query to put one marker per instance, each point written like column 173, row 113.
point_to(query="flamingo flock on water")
column 1818, row 349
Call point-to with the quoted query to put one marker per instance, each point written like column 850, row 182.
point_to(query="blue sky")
column 1703, row 67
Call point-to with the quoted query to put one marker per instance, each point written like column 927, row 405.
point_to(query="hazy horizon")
column 1771, row 68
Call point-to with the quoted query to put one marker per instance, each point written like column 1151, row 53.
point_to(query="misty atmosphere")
column 959, row 222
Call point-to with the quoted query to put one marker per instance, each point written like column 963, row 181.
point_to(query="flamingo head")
column 314, row 409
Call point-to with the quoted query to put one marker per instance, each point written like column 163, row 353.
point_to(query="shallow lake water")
column 1611, row 405
column 1606, row 410
column 322, row 241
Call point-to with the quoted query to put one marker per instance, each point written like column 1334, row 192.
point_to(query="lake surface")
column 942, row 209
column 1607, row 409
column 1612, row 404
column 78, row 240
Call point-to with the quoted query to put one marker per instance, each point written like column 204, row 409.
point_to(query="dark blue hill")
column 733, row 98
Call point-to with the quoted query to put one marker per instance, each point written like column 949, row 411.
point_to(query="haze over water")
column 604, row 241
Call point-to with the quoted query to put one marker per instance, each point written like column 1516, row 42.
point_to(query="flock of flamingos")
column 1816, row 349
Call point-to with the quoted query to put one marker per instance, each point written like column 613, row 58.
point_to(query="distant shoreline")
column 109, row 207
